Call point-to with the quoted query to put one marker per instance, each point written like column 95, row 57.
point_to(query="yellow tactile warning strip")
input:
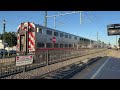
column 114, row 53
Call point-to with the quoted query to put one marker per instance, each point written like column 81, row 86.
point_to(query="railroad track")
column 67, row 71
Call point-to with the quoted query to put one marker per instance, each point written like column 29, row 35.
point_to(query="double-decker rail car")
column 32, row 37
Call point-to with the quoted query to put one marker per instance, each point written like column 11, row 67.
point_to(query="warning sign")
column 24, row 60
column 54, row 39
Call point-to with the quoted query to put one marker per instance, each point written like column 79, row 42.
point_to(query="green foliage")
column 10, row 38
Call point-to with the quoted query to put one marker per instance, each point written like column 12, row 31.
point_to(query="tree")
column 10, row 38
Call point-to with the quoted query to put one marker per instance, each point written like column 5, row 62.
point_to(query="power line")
column 73, row 12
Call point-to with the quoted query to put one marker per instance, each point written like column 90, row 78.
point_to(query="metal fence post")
column 24, row 69
column 47, row 61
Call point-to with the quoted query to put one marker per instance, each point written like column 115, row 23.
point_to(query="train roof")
column 38, row 25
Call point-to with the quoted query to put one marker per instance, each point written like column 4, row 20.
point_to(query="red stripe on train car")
column 29, row 40
column 32, row 35
column 18, row 38
column 30, row 25
column 29, row 46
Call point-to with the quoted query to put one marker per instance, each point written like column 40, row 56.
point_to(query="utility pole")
column 90, row 41
column 101, row 44
column 81, row 17
column 45, row 19
column 55, row 22
column 97, row 39
column 116, row 40
column 4, row 22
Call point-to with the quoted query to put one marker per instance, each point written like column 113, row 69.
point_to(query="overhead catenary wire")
column 68, row 13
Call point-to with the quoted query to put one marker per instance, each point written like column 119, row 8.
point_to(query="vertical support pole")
column 116, row 41
column 24, row 69
column 8, row 51
column 81, row 17
column 45, row 22
column 90, row 43
column 47, row 61
column 101, row 44
column 55, row 22
column 97, row 40
column 4, row 22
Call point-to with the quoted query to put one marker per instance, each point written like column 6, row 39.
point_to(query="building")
column 6, row 46
column 2, row 45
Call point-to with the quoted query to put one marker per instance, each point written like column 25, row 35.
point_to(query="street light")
column 4, row 22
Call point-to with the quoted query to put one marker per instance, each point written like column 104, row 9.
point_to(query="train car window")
column 31, row 29
column 75, row 38
column 80, row 39
column 39, row 45
column 61, row 35
column 49, row 32
column 66, row 45
column 66, row 36
column 56, row 45
column 61, row 45
column 70, row 36
column 49, row 45
column 70, row 45
column 39, row 30
column 55, row 33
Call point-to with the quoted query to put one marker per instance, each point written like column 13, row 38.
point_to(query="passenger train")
column 32, row 37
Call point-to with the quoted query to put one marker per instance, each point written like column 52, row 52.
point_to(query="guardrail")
column 42, row 58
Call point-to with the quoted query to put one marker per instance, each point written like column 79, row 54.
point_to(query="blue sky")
column 92, row 22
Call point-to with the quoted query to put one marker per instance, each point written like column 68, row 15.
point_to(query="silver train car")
column 33, row 37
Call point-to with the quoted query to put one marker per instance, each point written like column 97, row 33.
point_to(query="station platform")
column 106, row 68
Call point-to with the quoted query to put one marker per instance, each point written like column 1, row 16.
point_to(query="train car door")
column 23, row 41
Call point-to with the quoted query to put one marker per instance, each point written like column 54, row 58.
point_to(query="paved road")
column 106, row 68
